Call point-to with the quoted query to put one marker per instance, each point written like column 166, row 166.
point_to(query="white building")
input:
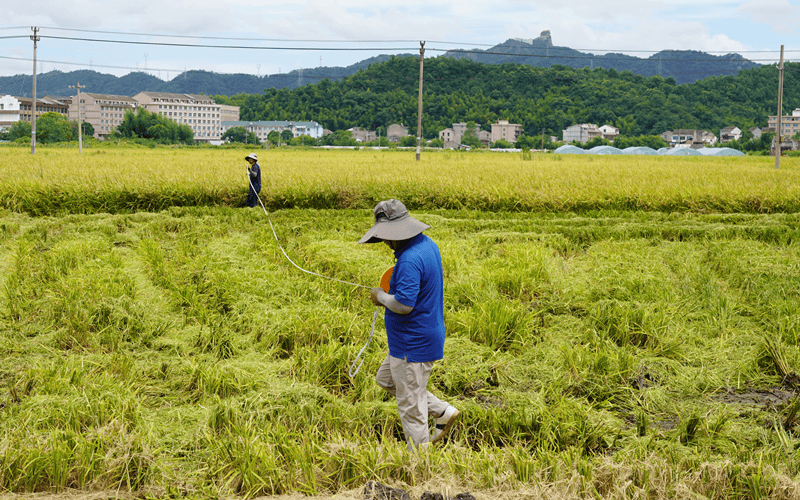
column 198, row 112
column 15, row 109
column 729, row 134
column 262, row 128
column 608, row 132
column 9, row 111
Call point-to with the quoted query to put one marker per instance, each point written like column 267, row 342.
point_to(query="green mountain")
column 682, row 66
column 541, row 99
column 685, row 66
column 190, row 82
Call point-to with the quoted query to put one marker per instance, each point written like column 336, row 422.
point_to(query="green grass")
column 611, row 353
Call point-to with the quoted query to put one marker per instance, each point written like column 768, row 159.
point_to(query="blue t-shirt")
column 417, row 282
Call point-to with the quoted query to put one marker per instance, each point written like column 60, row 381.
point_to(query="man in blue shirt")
column 414, row 322
column 254, row 174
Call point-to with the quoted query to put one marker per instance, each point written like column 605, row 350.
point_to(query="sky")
column 277, row 36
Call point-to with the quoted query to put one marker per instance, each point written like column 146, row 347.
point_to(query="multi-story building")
column 228, row 113
column 262, row 129
column 581, row 132
column 790, row 125
column 103, row 111
column 15, row 109
column 198, row 112
column 506, row 131
column 455, row 134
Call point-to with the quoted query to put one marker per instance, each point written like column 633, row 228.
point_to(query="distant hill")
column 684, row 66
column 191, row 82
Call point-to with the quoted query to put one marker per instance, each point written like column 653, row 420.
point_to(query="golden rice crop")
column 127, row 179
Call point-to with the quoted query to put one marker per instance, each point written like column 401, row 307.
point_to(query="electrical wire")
column 443, row 42
column 370, row 49
column 353, row 370
column 284, row 251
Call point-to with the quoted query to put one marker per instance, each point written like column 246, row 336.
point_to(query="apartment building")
column 14, row 109
column 198, row 112
column 506, row 131
column 790, row 124
column 103, row 111
column 228, row 113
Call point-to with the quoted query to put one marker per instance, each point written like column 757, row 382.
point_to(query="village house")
column 585, row 132
column 729, row 134
column 361, row 135
column 608, row 132
column 395, row 132
column 505, row 131
column 689, row 138
column 581, row 132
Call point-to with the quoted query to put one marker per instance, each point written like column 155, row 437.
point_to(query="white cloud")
column 780, row 15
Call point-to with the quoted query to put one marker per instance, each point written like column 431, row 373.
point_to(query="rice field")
column 617, row 327
column 116, row 180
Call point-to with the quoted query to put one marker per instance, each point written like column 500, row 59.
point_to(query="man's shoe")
column 444, row 423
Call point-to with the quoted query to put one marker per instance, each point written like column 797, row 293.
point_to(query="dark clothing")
column 255, row 184
column 417, row 282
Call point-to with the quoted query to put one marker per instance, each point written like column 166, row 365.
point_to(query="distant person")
column 254, row 174
column 414, row 321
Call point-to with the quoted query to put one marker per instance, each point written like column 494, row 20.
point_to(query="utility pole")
column 80, row 122
column 780, row 114
column 35, row 37
column 419, row 100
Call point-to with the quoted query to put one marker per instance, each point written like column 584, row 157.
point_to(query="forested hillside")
column 685, row 66
column 188, row 82
column 548, row 99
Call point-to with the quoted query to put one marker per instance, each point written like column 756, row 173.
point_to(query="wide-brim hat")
column 251, row 155
column 393, row 223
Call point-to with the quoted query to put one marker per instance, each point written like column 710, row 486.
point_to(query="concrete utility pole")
column 35, row 39
column 419, row 100
column 80, row 122
column 780, row 114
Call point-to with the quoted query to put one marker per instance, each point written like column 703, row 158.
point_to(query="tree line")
column 544, row 101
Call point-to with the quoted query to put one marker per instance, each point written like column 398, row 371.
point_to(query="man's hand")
column 374, row 295
column 388, row 301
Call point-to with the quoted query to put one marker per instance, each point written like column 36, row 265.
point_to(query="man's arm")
column 381, row 298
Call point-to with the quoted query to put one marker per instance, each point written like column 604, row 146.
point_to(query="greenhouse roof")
column 569, row 149
column 604, row 150
column 639, row 150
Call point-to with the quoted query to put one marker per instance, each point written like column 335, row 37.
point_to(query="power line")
column 362, row 49
column 445, row 42
column 87, row 65
column 239, row 47
column 251, row 39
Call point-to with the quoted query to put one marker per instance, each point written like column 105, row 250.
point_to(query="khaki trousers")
column 408, row 382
